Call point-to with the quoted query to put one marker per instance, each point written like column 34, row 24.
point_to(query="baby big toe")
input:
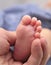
column 26, row 20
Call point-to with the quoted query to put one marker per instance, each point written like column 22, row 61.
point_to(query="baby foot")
column 25, row 35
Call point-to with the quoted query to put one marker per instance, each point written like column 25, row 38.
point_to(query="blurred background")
column 8, row 3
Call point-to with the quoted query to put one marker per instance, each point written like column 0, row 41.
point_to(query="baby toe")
column 33, row 22
column 26, row 20
column 39, row 29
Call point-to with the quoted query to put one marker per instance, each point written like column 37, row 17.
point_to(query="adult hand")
column 7, row 38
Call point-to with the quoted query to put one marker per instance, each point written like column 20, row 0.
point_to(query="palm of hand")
column 6, row 56
column 8, row 60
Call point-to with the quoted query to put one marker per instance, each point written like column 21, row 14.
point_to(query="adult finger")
column 36, row 53
column 7, row 38
column 46, row 54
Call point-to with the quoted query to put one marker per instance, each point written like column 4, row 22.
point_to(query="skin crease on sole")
column 25, row 35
